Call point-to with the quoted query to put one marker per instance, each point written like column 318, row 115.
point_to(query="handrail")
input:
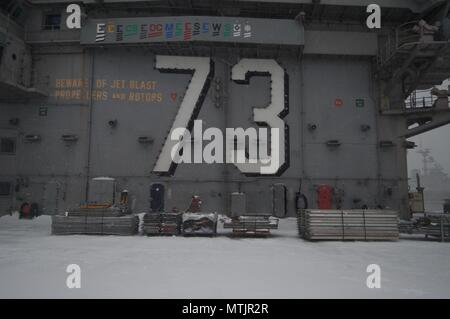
column 51, row 27
column 424, row 101
column 401, row 35
column 52, row 35
column 414, row 22
column 419, row 102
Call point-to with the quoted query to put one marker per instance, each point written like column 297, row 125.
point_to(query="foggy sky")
column 438, row 141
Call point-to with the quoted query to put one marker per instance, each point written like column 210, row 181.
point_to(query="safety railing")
column 33, row 80
column 52, row 33
column 51, row 27
column 421, row 99
column 419, row 102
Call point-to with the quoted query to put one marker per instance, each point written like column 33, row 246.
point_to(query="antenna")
column 425, row 159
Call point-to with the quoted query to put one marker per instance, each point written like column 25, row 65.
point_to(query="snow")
column 33, row 264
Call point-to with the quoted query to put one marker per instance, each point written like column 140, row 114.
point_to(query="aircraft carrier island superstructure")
column 101, row 101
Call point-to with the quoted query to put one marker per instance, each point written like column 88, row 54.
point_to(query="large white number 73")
column 203, row 72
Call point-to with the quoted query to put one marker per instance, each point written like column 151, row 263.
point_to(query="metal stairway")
column 416, row 56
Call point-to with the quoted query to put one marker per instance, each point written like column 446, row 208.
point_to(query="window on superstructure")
column 17, row 13
column 5, row 188
column 7, row 145
column 52, row 22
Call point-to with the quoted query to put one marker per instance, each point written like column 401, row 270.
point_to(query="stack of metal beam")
column 95, row 225
column 151, row 224
column 161, row 223
column 436, row 225
column 199, row 224
column 96, row 212
column 406, row 226
column 251, row 225
column 348, row 224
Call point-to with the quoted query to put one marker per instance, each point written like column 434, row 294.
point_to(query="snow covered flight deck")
column 33, row 264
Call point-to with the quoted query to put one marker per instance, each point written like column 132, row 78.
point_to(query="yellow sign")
column 139, row 91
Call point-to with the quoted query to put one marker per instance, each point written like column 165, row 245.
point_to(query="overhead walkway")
column 415, row 57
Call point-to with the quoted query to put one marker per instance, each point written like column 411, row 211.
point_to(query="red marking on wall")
column 187, row 31
column 155, row 30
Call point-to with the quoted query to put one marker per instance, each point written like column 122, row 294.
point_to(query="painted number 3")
column 202, row 70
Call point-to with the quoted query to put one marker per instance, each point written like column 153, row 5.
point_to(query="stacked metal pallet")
column 95, row 225
column 406, row 227
column 348, row 224
column 96, row 212
column 436, row 225
column 151, row 224
column 161, row 223
column 251, row 225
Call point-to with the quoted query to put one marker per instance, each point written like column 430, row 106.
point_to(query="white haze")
column 438, row 141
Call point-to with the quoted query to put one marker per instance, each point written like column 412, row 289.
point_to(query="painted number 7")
column 202, row 70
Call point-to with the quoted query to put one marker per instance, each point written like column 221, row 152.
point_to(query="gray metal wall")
column 361, row 171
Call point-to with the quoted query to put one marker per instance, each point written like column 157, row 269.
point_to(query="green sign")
column 43, row 111
column 359, row 102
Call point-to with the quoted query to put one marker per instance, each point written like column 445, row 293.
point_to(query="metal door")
column 51, row 198
column 157, row 197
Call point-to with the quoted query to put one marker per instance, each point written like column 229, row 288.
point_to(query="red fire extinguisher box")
column 324, row 197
